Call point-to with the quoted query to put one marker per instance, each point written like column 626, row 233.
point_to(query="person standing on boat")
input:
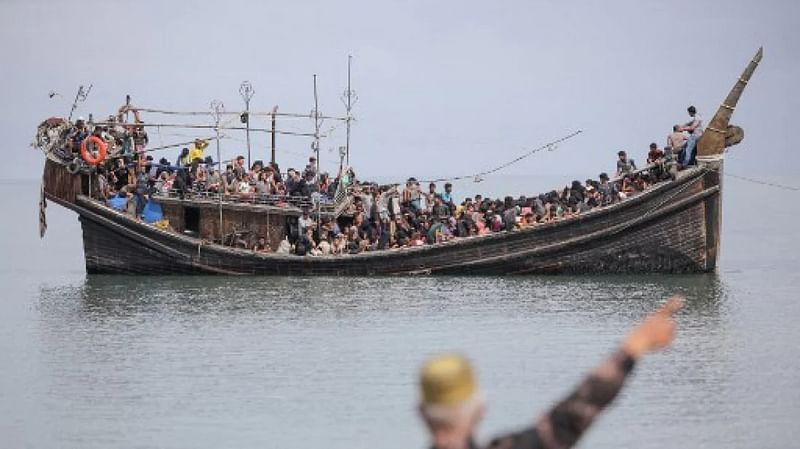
column 197, row 149
column 141, row 190
column 311, row 168
column 412, row 196
column 625, row 166
column 183, row 158
column 451, row 405
column 447, row 197
column 695, row 129
column 78, row 133
column 430, row 197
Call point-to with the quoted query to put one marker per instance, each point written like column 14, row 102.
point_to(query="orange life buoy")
column 101, row 150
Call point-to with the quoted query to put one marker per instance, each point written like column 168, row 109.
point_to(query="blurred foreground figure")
column 452, row 405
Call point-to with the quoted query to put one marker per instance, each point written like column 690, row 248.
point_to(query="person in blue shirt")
column 447, row 197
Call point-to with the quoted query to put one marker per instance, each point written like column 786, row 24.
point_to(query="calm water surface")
column 210, row 362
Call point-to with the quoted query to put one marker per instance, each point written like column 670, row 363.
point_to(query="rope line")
column 548, row 146
column 764, row 183
column 237, row 114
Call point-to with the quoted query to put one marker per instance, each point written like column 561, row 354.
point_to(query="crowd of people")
column 380, row 216
column 128, row 177
column 386, row 216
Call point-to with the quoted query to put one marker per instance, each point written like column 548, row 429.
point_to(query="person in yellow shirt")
column 196, row 151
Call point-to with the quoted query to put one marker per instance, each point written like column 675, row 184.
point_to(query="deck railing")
column 327, row 206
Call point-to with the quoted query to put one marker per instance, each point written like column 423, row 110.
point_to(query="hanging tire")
column 74, row 167
column 101, row 150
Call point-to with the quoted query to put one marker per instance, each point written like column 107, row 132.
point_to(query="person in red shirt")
column 655, row 155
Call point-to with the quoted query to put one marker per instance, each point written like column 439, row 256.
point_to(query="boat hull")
column 671, row 228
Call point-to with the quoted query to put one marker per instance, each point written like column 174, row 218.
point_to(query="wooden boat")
column 672, row 227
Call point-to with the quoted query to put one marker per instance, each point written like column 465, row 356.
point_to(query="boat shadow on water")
column 300, row 298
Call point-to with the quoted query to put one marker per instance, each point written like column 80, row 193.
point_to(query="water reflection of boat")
column 673, row 226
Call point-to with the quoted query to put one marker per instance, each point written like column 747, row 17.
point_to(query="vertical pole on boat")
column 217, row 108
column 246, row 91
column 316, row 146
column 349, row 98
column 274, row 123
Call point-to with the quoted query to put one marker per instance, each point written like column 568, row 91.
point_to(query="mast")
column 712, row 143
column 316, row 146
column 246, row 91
column 349, row 107
column 217, row 108
column 274, row 124
column 349, row 98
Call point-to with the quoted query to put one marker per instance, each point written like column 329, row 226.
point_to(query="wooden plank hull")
column 671, row 228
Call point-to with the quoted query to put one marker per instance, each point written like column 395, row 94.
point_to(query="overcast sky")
column 445, row 87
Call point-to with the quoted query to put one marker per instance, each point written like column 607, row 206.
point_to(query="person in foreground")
column 452, row 407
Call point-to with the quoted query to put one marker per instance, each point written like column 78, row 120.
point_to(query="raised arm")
column 563, row 425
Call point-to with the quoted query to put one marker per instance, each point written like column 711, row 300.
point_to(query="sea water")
column 211, row 362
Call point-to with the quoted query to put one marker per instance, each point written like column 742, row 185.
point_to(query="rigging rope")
column 237, row 114
column 477, row 176
column 765, row 183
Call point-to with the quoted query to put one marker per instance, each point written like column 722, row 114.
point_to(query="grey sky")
column 445, row 87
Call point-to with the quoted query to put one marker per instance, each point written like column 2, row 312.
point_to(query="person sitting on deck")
column 655, row 159
column 451, row 405
column 353, row 244
column 510, row 213
column 229, row 177
column 239, row 169
column 305, row 243
column 163, row 184
column 695, row 129
column 339, row 245
column 262, row 186
column 243, row 188
column 214, row 181
column 262, row 246
column 607, row 191
column 677, row 139
column 305, row 221
column 200, row 178
column 625, row 166
column 655, row 155
column 670, row 164
column 256, row 169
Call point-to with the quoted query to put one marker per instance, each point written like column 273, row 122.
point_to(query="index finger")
column 671, row 307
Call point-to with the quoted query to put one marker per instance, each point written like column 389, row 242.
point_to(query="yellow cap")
column 447, row 380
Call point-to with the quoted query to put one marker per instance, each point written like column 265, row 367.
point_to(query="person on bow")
column 695, row 129
column 451, row 405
